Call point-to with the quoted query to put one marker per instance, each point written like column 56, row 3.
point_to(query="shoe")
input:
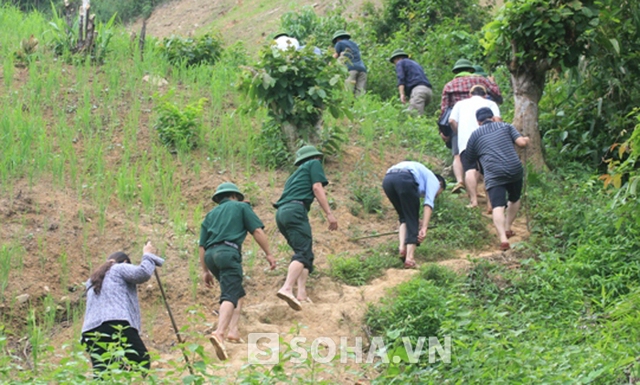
column 410, row 265
column 221, row 352
column 510, row 233
column 504, row 246
column 290, row 300
column 457, row 188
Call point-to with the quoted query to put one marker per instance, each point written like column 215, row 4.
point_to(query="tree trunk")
column 528, row 84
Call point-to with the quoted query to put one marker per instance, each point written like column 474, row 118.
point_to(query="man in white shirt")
column 463, row 122
column 284, row 42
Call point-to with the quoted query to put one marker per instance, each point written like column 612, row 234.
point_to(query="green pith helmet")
column 226, row 187
column 340, row 33
column 463, row 65
column 305, row 153
column 479, row 70
column 397, row 53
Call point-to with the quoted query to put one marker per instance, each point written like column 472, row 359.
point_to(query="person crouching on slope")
column 404, row 184
column 222, row 233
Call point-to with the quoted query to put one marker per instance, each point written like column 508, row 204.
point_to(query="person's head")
column 306, row 153
column 340, row 34
column 397, row 55
column 478, row 90
column 98, row 275
column 462, row 65
column 443, row 184
column 478, row 70
column 483, row 115
column 227, row 190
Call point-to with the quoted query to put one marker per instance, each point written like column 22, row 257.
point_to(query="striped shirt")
column 493, row 145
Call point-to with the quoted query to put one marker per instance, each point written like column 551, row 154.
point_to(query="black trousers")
column 402, row 190
column 95, row 341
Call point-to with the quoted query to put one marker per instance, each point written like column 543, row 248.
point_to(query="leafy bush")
column 179, row 128
column 296, row 87
column 192, row 51
column 419, row 16
column 415, row 310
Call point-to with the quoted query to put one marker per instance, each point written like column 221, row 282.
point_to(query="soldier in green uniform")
column 221, row 236
column 305, row 184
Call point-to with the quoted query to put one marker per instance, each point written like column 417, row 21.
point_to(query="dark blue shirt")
column 352, row 52
column 410, row 74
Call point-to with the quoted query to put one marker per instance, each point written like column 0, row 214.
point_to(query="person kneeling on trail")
column 492, row 144
column 404, row 184
column 222, row 233
column 112, row 316
column 302, row 187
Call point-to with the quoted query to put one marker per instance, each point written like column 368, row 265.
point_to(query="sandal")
column 457, row 189
column 504, row 246
column 290, row 300
column 410, row 265
column 510, row 233
column 221, row 352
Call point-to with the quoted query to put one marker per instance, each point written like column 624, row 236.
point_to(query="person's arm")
column 336, row 55
column 454, row 125
column 522, row 141
column 493, row 90
column 318, row 191
column 422, row 234
column 141, row 273
column 207, row 277
column 403, row 97
column 260, row 237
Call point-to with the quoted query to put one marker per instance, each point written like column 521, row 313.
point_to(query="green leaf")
column 615, row 45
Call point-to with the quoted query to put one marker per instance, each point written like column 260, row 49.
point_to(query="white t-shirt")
column 464, row 112
column 284, row 42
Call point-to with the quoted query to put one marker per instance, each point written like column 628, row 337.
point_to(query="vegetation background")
column 102, row 151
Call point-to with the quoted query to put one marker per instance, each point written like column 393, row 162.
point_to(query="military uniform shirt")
column 299, row 186
column 229, row 222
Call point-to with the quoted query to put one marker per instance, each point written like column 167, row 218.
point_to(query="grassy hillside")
column 84, row 173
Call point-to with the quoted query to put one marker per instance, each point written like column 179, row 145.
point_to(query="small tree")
column 533, row 37
column 296, row 87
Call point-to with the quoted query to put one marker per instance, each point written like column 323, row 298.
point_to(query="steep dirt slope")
column 250, row 21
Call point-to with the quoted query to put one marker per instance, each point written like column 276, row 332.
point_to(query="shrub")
column 179, row 128
column 192, row 51
column 296, row 87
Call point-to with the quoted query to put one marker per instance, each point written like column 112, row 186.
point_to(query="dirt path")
column 337, row 311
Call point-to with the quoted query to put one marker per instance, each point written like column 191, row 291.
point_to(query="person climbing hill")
column 222, row 233
column 302, row 187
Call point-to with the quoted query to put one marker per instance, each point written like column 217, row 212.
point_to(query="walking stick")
column 173, row 322
column 381, row 234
